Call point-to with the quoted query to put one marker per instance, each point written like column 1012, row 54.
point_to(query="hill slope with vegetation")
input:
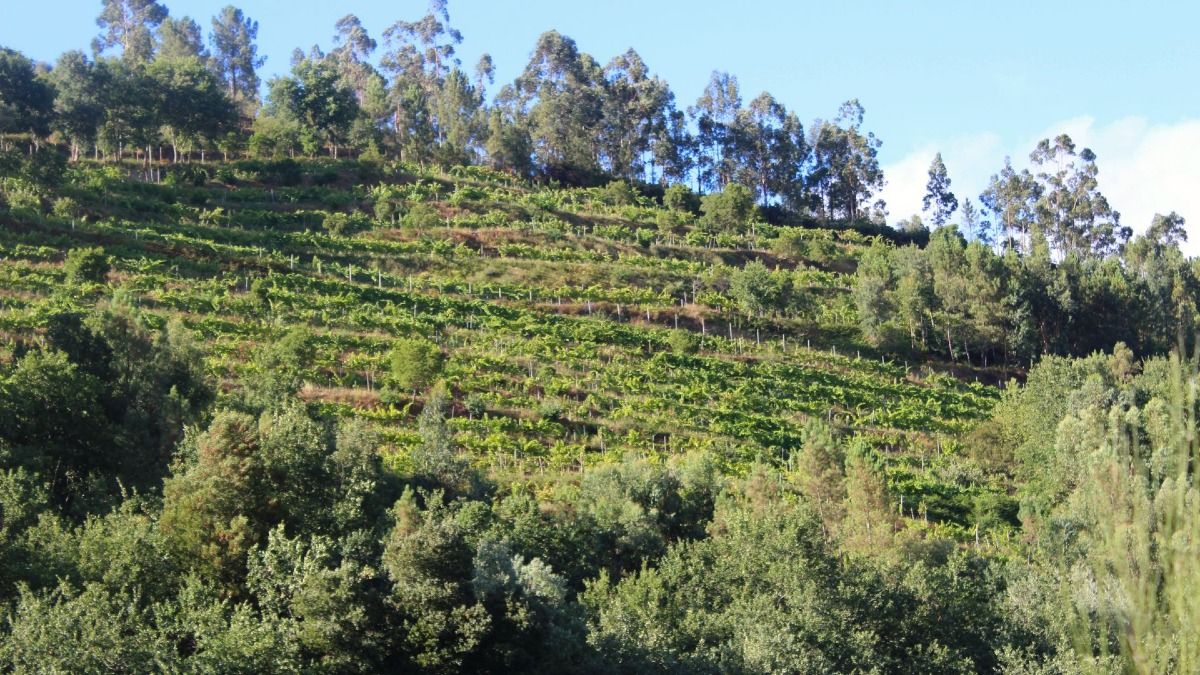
column 490, row 388
column 395, row 378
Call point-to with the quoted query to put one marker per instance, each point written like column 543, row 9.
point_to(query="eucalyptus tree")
column 353, row 48
column 845, row 169
column 1167, row 231
column 772, row 151
column 352, row 52
column 939, row 201
column 1011, row 199
column 418, row 57
column 235, row 56
column 714, row 114
column 424, row 50
column 636, row 106
column 129, row 24
column 674, row 149
column 485, row 73
column 1073, row 213
column 562, row 91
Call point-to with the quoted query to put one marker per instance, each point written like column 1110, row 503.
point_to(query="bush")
column 187, row 174
column 45, row 167
column 415, row 362
column 20, row 195
column 475, row 405
column 550, row 410
column 790, row 243
column 342, row 224
column 683, row 342
column 681, row 198
column 65, row 208
column 422, row 216
column 822, row 250
column 325, row 177
column 618, row 193
column 86, row 265
column 226, row 174
column 286, row 172
column 729, row 210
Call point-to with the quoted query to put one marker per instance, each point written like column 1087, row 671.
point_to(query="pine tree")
column 938, row 197
column 234, row 54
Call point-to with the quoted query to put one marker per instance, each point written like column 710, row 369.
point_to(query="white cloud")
column 1144, row 168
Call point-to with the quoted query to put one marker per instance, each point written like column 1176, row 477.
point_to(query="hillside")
column 556, row 311
column 475, row 419
column 480, row 335
column 381, row 367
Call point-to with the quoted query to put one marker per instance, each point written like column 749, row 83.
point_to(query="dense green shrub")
column 415, row 362
column 729, row 210
column 86, row 266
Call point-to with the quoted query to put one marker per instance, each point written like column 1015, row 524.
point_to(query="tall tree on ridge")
column 509, row 146
column 771, row 150
column 674, row 149
column 972, row 226
column 635, row 108
column 193, row 107
column 715, row 113
column 938, row 197
column 1074, row 215
column 561, row 89
column 419, row 56
column 423, row 50
column 354, row 46
column 1011, row 197
column 846, row 170
column 316, row 96
column 128, row 101
column 485, row 73
column 460, row 124
column 235, row 56
column 181, row 38
column 129, row 24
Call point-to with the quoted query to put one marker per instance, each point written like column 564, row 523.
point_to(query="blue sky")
column 977, row 81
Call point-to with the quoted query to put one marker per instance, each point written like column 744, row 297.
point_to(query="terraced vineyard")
column 576, row 331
